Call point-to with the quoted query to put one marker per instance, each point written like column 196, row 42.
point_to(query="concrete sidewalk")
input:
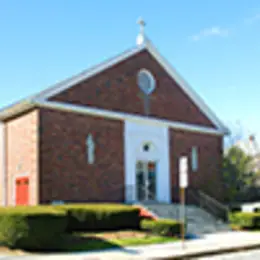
column 208, row 245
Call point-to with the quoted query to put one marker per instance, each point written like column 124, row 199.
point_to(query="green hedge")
column 100, row 217
column 245, row 220
column 40, row 227
column 234, row 209
column 166, row 227
column 31, row 227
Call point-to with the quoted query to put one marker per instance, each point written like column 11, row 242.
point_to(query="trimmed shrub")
column 100, row 217
column 165, row 227
column 31, row 228
column 235, row 209
column 245, row 220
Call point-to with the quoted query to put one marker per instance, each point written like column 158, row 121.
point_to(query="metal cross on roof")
column 142, row 24
column 141, row 37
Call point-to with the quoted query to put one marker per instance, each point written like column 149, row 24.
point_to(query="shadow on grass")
column 190, row 236
column 78, row 243
column 69, row 243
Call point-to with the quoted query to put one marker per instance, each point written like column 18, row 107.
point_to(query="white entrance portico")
column 147, row 172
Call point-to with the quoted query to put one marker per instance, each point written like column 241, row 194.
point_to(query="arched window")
column 90, row 149
column 146, row 81
column 194, row 159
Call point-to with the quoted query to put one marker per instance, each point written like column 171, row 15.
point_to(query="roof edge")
column 43, row 96
column 183, row 84
column 16, row 109
column 125, row 116
column 65, row 84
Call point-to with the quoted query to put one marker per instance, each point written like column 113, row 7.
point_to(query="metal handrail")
column 214, row 201
column 210, row 204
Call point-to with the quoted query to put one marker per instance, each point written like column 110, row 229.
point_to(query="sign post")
column 183, row 182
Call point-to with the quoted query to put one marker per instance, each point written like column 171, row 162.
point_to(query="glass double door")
column 145, row 180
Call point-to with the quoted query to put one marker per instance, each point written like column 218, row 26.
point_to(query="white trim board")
column 128, row 117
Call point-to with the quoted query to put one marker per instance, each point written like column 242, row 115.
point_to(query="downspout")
column 3, row 160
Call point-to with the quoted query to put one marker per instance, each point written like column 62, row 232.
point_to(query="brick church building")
column 113, row 133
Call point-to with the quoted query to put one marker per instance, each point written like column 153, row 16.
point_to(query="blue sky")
column 215, row 45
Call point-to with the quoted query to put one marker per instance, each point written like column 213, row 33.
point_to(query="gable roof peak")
column 147, row 45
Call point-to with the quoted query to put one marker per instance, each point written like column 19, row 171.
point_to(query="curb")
column 213, row 252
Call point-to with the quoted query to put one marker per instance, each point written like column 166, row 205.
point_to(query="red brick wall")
column 64, row 171
column 2, row 161
column 208, row 176
column 116, row 89
column 22, row 153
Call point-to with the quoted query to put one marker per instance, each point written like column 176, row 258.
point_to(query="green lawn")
column 238, row 228
column 143, row 241
column 99, row 241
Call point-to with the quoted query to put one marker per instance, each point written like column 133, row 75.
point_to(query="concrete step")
column 198, row 220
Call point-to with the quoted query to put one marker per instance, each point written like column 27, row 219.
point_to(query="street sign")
column 183, row 182
column 183, row 172
column 183, row 164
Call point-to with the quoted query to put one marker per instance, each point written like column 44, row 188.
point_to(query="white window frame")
column 151, row 78
column 90, row 149
column 194, row 159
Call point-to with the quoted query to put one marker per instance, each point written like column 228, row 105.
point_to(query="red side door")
column 22, row 191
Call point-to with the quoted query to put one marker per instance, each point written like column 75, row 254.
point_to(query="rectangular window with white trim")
column 194, row 159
